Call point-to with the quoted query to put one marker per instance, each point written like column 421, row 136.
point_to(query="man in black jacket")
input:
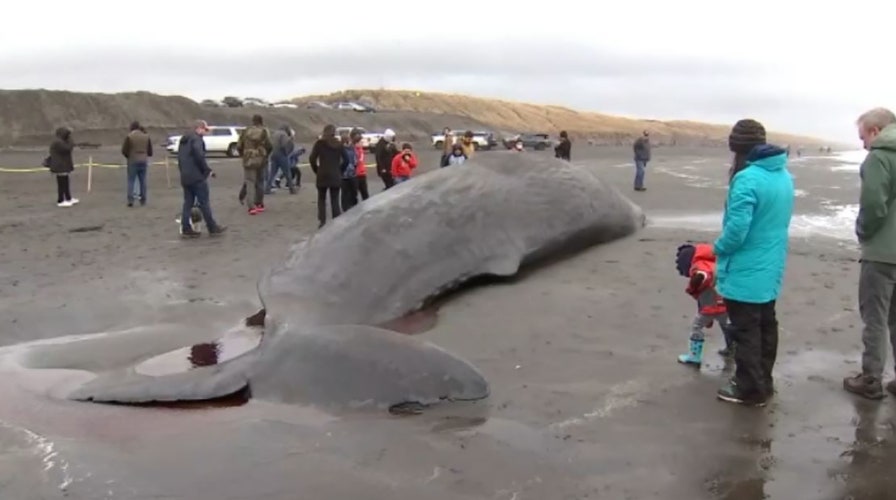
column 194, row 172
column 328, row 161
column 384, row 152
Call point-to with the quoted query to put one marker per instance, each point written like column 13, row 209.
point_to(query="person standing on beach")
column 137, row 149
column 876, row 232
column 283, row 145
column 349, row 191
column 61, row 165
column 751, row 255
column 642, row 156
column 467, row 144
column 447, row 146
column 328, row 161
column 254, row 146
column 194, row 174
column 404, row 164
column 384, row 152
column 564, row 149
column 360, row 167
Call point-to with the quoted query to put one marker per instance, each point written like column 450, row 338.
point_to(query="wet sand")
column 587, row 398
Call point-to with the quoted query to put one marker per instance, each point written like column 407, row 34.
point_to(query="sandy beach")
column 587, row 400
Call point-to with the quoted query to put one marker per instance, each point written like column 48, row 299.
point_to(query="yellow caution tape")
column 25, row 170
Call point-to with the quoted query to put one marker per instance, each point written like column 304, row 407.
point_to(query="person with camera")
column 403, row 164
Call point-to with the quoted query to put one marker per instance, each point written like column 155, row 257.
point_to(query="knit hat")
column 745, row 135
column 683, row 259
column 389, row 133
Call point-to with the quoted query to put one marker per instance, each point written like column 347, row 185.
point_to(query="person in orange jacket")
column 698, row 264
column 404, row 163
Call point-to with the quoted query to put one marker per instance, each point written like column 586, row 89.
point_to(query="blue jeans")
column 137, row 172
column 279, row 165
column 197, row 194
column 401, row 178
column 640, row 168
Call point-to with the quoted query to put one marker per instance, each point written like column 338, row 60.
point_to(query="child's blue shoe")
column 695, row 355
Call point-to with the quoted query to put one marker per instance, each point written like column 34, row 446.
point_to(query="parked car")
column 211, row 103
column 254, row 101
column 287, row 105
column 232, row 102
column 482, row 139
column 354, row 106
column 317, row 105
column 220, row 139
column 538, row 142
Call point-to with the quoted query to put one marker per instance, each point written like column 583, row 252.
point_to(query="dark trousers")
column 754, row 329
column 137, row 175
column 197, row 194
column 349, row 193
column 63, row 188
column 362, row 187
column 322, row 203
column 387, row 180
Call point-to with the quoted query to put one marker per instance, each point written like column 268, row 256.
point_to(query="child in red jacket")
column 404, row 163
column 698, row 264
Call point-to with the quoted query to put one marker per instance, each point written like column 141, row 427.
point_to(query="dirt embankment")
column 519, row 117
column 29, row 117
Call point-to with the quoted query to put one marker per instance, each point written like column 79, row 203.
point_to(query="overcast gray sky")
column 793, row 65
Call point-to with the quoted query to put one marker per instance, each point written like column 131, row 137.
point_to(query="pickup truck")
column 481, row 139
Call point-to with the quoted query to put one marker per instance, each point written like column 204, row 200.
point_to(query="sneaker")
column 260, row 207
column 64, row 204
column 219, row 230
column 732, row 394
column 254, row 211
column 865, row 386
column 190, row 234
column 74, row 201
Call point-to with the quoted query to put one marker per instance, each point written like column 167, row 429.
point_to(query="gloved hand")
column 696, row 282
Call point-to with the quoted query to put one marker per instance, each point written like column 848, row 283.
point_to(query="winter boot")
column 695, row 355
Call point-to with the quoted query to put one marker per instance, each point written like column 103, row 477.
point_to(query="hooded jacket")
column 641, row 148
column 360, row 167
column 402, row 167
column 709, row 302
column 751, row 252
column 255, row 145
column 60, row 160
column 191, row 159
column 328, row 161
column 282, row 144
column 876, row 222
column 384, row 152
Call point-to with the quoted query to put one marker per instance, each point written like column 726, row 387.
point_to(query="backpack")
column 255, row 156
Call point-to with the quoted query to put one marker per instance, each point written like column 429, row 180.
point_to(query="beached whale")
column 383, row 259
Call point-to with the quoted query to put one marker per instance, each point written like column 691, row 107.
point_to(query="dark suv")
column 538, row 142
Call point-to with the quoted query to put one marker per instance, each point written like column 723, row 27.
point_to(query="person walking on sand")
column 194, row 174
column 404, row 164
column 876, row 232
column 328, row 161
column 564, row 149
column 61, row 165
column 447, row 146
column 751, row 254
column 349, row 190
column 137, row 149
column 360, row 167
column 254, row 146
column 641, row 149
column 282, row 146
column 384, row 152
column 467, row 144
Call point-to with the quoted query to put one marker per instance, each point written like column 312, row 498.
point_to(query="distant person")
column 328, row 161
column 876, row 232
column 137, row 148
column 751, row 254
column 404, row 164
column 457, row 156
column 698, row 264
column 642, row 156
column 254, row 146
column 194, row 174
column 518, row 146
column 360, row 166
column 349, row 190
column 563, row 149
column 447, row 146
column 384, row 152
column 61, row 164
column 468, row 144
column 282, row 146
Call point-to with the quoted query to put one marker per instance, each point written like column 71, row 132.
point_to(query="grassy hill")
column 514, row 117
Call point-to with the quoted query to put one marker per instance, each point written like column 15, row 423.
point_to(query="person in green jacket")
column 751, row 254
column 876, row 232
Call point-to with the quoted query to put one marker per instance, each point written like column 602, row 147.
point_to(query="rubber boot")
column 695, row 356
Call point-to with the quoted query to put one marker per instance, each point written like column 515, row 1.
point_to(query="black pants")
column 388, row 181
column 362, row 187
column 349, row 193
column 754, row 329
column 322, row 203
column 63, row 189
column 296, row 176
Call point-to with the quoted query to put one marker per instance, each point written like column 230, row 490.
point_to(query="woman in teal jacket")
column 751, row 256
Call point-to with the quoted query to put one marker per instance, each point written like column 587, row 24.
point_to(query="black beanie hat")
column 745, row 135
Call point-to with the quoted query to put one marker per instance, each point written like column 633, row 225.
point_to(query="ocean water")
column 849, row 161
